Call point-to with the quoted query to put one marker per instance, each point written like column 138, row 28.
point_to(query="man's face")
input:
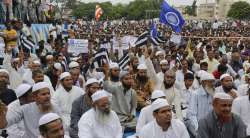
column 38, row 78
column 164, row 115
column 222, row 107
column 4, row 77
column 115, row 72
column 103, row 105
column 43, row 96
column 188, row 82
column 210, row 54
column 127, row 81
column 209, row 83
column 169, row 79
column 160, row 57
column 164, row 67
column 55, row 129
column 67, row 82
column 50, row 61
column 227, row 82
column 75, row 75
column 142, row 73
column 184, row 65
column 92, row 88
column 135, row 63
column 35, row 66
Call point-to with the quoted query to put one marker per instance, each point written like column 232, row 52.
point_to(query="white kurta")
column 241, row 107
column 90, row 128
column 176, row 130
column 242, row 89
column 145, row 117
column 64, row 100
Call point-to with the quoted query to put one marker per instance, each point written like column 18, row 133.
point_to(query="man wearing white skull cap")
column 100, row 121
column 30, row 113
column 114, row 73
column 226, row 85
column 221, row 122
column 163, row 125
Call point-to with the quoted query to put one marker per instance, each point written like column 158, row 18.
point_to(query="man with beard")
column 114, row 73
column 65, row 95
column 226, row 85
column 100, row 121
column 201, row 100
column 163, row 126
column 30, row 113
column 220, row 122
column 78, row 79
column 82, row 105
column 164, row 67
column 143, row 87
column 241, row 107
column 124, row 99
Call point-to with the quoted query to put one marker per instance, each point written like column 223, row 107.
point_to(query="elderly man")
column 100, row 121
column 226, row 85
column 82, row 105
column 6, row 95
column 163, row 126
column 143, row 87
column 220, row 122
column 124, row 99
column 146, row 114
column 241, row 107
column 30, row 113
column 51, row 126
column 24, row 95
column 201, row 100
column 65, row 95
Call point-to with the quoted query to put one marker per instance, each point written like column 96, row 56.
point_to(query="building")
column 207, row 10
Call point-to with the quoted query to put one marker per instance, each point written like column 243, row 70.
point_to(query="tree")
column 239, row 10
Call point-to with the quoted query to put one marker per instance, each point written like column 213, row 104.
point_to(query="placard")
column 78, row 46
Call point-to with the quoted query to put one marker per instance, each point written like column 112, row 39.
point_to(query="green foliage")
column 191, row 10
column 239, row 10
column 138, row 9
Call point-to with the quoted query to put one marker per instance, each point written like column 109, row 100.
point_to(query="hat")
column 22, row 89
column 222, row 95
column 163, row 62
column 157, row 94
column 90, row 81
column 142, row 67
column 158, row 53
column 4, row 71
column 57, row 66
column 99, row 95
column 49, row 56
column 73, row 64
column 206, row 76
column 64, row 75
column 37, row 62
column 113, row 65
column 159, row 103
column 39, row 85
column 123, row 73
column 224, row 76
column 47, row 118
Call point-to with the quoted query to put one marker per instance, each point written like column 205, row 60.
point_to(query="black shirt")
column 8, row 96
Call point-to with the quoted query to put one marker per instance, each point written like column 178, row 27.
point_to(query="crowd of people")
column 195, row 87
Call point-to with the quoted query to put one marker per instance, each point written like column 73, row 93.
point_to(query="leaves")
column 239, row 10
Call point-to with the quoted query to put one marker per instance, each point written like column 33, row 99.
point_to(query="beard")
column 168, row 85
column 114, row 78
column 126, row 86
column 102, row 116
column 142, row 79
column 209, row 90
column 227, row 89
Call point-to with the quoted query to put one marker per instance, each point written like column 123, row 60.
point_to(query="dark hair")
column 222, row 68
column 189, row 76
column 36, row 72
column 43, row 128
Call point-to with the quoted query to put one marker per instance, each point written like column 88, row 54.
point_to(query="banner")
column 78, row 46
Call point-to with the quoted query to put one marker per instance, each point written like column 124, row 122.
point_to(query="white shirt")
column 242, row 89
column 145, row 117
column 89, row 127
column 220, row 89
column 241, row 107
column 64, row 100
column 176, row 130
column 160, row 76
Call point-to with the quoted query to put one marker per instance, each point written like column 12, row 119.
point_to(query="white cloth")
column 176, row 130
column 220, row 89
column 242, row 89
column 145, row 117
column 64, row 100
column 90, row 128
column 160, row 76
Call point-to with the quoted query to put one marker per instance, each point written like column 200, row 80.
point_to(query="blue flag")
column 171, row 17
column 153, row 31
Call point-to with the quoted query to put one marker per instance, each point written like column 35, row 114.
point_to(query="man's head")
column 156, row 94
column 224, row 60
column 169, row 79
column 222, row 104
column 49, row 60
column 207, row 82
column 35, row 65
column 41, row 95
column 210, row 54
column 204, row 66
column 24, row 93
column 101, row 103
column 66, row 81
column 184, row 64
column 74, row 65
column 91, row 86
column 114, row 72
column 57, row 69
column 134, row 62
column 162, row 112
column 51, row 126
column 164, row 65
column 4, row 76
column 160, row 55
column 126, row 79
column 75, row 75
column 142, row 72
column 37, row 75
column 226, row 82
column 188, row 79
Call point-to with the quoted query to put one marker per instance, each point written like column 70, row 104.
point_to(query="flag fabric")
column 171, row 17
column 101, row 57
column 98, row 12
column 142, row 39
column 153, row 35
column 26, row 42
column 123, row 62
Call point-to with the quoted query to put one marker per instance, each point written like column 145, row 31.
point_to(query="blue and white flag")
column 171, row 17
column 153, row 31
